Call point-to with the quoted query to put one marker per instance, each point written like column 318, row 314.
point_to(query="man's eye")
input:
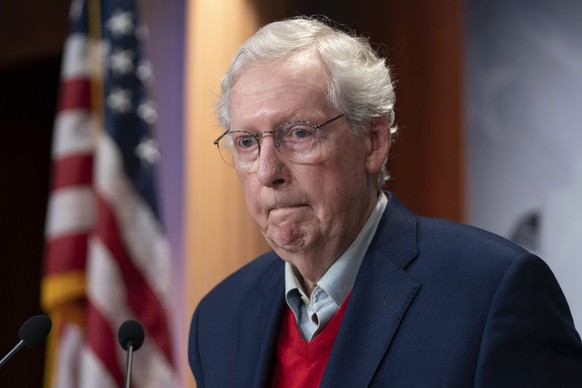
column 245, row 142
column 299, row 133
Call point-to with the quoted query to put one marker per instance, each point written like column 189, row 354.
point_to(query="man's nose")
column 270, row 164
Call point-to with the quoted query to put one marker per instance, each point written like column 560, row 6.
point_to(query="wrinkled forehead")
column 285, row 87
column 297, row 65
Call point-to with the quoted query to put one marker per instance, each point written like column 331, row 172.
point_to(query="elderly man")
column 358, row 291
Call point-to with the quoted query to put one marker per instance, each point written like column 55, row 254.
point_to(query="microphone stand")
column 12, row 353
column 128, row 363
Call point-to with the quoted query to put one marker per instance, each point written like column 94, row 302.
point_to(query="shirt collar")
column 339, row 279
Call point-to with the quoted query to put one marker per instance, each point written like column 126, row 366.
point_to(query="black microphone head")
column 131, row 333
column 35, row 329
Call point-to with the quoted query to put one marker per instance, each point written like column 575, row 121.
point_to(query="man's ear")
column 379, row 141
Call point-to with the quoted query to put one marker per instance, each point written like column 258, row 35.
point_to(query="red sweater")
column 300, row 364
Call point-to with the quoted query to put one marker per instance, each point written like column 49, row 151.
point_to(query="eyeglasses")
column 296, row 140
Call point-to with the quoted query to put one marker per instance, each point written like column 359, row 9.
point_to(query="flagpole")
column 97, row 65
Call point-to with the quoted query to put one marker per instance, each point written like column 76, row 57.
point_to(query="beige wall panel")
column 220, row 236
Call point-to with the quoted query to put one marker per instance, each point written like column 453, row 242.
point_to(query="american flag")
column 107, row 258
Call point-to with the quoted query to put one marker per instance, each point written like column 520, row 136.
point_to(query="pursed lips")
column 285, row 206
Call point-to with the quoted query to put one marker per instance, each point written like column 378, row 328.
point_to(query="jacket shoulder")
column 459, row 237
column 259, row 272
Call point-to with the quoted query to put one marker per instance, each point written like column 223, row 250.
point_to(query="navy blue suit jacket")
column 435, row 304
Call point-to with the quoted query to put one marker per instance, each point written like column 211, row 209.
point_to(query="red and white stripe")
column 98, row 224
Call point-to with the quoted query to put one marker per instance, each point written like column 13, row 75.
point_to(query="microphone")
column 32, row 332
column 130, row 338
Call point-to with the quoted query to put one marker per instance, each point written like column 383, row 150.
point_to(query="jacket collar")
column 259, row 327
column 381, row 295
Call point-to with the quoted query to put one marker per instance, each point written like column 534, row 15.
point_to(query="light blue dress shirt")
column 313, row 313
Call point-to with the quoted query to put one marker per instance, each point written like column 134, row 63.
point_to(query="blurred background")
column 488, row 102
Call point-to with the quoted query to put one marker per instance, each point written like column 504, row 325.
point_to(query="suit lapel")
column 258, row 330
column 381, row 295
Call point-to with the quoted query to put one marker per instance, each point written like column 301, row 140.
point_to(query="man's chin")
column 286, row 242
